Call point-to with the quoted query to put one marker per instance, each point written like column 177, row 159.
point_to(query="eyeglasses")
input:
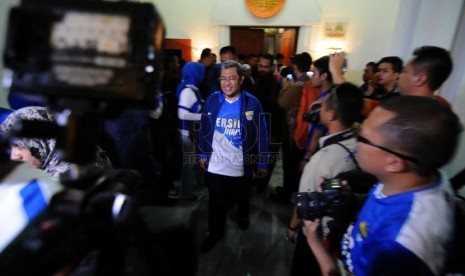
column 228, row 78
column 362, row 139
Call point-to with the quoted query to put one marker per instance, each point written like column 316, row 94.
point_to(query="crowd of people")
column 322, row 127
column 225, row 125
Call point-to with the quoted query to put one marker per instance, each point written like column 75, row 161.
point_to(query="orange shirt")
column 309, row 95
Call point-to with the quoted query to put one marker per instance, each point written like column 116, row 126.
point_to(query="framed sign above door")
column 264, row 8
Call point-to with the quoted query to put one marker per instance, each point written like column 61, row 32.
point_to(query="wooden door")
column 288, row 44
column 248, row 41
column 182, row 45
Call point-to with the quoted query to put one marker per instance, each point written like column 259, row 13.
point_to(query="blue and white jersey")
column 24, row 194
column 227, row 156
column 402, row 234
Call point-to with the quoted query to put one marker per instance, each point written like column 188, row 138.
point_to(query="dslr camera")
column 313, row 115
column 329, row 202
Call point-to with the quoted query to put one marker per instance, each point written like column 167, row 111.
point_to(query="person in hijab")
column 41, row 153
column 189, row 111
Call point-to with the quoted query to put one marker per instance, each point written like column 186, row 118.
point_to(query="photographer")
column 406, row 224
column 340, row 109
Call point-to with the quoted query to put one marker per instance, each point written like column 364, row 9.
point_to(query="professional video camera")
column 86, row 59
column 91, row 50
column 329, row 202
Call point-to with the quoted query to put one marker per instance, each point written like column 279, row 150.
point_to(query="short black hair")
column 205, row 53
column 436, row 62
column 303, row 61
column 322, row 65
column 279, row 56
column 228, row 49
column 372, row 64
column 396, row 62
column 347, row 100
column 432, row 129
column 267, row 56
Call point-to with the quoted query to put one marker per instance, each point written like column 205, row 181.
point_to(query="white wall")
column 189, row 19
column 370, row 30
column 454, row 90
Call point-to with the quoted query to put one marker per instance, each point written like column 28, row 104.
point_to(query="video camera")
column 92, row 50
column 86, row 59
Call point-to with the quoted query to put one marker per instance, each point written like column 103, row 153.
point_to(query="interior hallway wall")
column 454, row 90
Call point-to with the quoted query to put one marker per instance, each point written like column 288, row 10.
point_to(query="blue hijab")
column 192, row 74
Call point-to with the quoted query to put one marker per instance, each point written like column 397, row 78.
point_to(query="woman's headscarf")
column 44, row 150
column 192, row 74
column 41, row 149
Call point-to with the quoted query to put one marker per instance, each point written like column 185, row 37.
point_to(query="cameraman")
column 339, row 111
column 406, row 224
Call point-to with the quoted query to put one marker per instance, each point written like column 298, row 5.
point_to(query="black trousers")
column 224, row 193
column 304, row 262
column 292, row 156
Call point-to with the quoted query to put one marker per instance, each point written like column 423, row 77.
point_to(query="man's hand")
column 311, row 229
column 336, row 62
column 290, row 235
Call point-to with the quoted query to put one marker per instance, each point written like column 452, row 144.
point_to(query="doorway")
column 272, row 40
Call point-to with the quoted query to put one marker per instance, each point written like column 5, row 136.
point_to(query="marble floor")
column 260, row 250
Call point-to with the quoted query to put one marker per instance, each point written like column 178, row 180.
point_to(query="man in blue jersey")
column 406, row 223
column 233, row 147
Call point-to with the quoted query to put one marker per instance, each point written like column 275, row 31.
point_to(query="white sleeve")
column 187, row 99
column 318, row 167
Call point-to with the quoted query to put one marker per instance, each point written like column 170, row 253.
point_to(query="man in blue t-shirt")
column 406, row 224
column 233, row 147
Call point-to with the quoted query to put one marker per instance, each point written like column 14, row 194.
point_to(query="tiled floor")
column 260, row 250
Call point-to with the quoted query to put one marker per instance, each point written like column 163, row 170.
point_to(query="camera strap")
column 352, row 156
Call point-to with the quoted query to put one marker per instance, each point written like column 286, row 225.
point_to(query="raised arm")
column 336, row 62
